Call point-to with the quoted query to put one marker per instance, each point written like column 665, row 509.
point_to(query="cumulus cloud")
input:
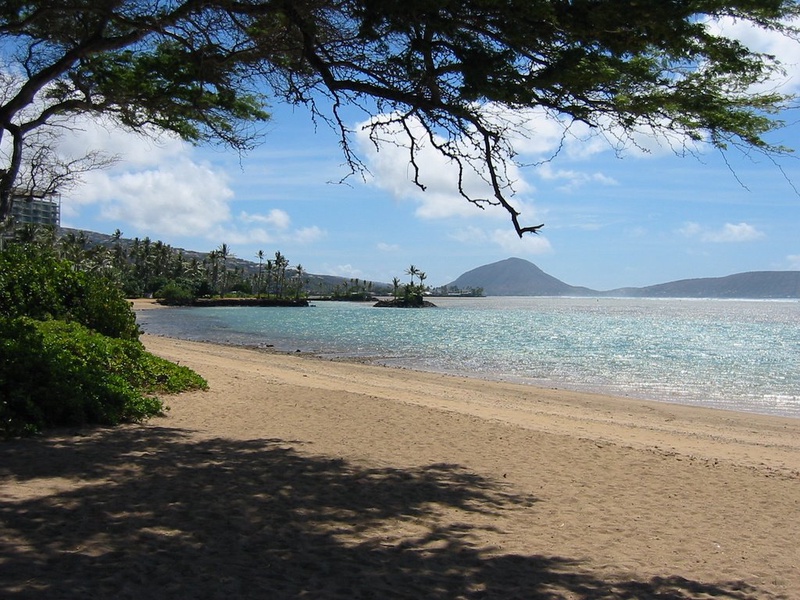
column 528, row 245
column 793, row 261
column 391, row 169
column 276, row 217
column 157, row 186
column 574, row 179
column 505, row 239
column 556, row 152
column 160, row 187
column 540, row 135
column 389, row 165
column 238, row 234
column 136, row 150
column 385, row 247
column 306, row 235
column 728, row 233
column 186, row 199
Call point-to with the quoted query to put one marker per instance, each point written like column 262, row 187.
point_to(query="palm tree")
column 213, row 258
column 268, row 283
column 260, row 256
column 99, row 259
column 224, row 253
column 412, row 270
column 422, row 277
column 73, row 248
column 396, row 287
column 299, row 283
column 281, row 263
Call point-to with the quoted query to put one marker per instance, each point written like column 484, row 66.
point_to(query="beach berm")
column 295, row 476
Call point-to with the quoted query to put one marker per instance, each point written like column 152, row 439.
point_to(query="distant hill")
column 519, row 277
column 516, row 277
column 753, row 285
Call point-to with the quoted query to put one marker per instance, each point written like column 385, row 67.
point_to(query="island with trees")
column 410, row 295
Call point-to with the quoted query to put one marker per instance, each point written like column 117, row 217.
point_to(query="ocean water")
column 738, row 355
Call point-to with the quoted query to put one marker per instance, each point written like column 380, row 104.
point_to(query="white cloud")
column 392, row 171
column 574, row 179
column 535, row 132
column 385, row 247
column 306, row 235
column 505, row 239
column 527, row 245
column 157, row 186
column 469, row 235
column 794, row 262
column 740, row 232
column 236, row 234
column 186, row 199
column 347, row 270
column 276, row 217
column 540, row 135
column 135, row 150
column 160, row 188
column 236, row 237
column 542, row 141
column 690, row 229
column 730, row 232
column 782, row 47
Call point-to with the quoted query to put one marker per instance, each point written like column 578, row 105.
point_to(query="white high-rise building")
column 37, row 210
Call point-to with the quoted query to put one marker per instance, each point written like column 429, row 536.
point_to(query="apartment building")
column 37, row 210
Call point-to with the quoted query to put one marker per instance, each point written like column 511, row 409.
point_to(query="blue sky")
column 610, row 221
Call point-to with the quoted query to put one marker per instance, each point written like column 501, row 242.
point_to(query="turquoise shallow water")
column 739, row 355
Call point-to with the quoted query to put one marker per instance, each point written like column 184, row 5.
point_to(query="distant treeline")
column 147, row 268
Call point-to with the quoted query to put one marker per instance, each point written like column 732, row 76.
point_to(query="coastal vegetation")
column 69, row 348
column 147, row 268
column 410, row 295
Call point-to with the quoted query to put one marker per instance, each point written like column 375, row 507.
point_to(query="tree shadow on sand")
column 158, row 515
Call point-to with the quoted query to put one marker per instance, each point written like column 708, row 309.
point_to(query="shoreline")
column 738, row 398
column 295, row 476
column 750, row 439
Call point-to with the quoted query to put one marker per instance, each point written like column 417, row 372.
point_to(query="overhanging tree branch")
column 461, row 71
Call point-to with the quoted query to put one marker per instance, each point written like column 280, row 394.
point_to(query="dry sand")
column 295, row 477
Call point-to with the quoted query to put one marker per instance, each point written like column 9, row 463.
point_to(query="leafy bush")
column 54, row 373
column 35, row 283
column 175, row 294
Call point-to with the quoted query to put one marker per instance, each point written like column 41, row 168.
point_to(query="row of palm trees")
column 272, row 279
column 354, row 289
column 142, row 267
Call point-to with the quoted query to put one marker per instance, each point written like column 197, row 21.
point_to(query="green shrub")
column 35, row 283
column 54, row 373
column 175, row 294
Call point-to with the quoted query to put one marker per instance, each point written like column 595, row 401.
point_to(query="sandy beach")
column 297, row 477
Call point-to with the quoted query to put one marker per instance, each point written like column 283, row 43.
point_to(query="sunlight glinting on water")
column 727, row 354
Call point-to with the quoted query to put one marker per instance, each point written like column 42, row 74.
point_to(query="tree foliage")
column 136, row 267
column 35, row 283
column 69, row 348
column 54, row 373
column 458, row 75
